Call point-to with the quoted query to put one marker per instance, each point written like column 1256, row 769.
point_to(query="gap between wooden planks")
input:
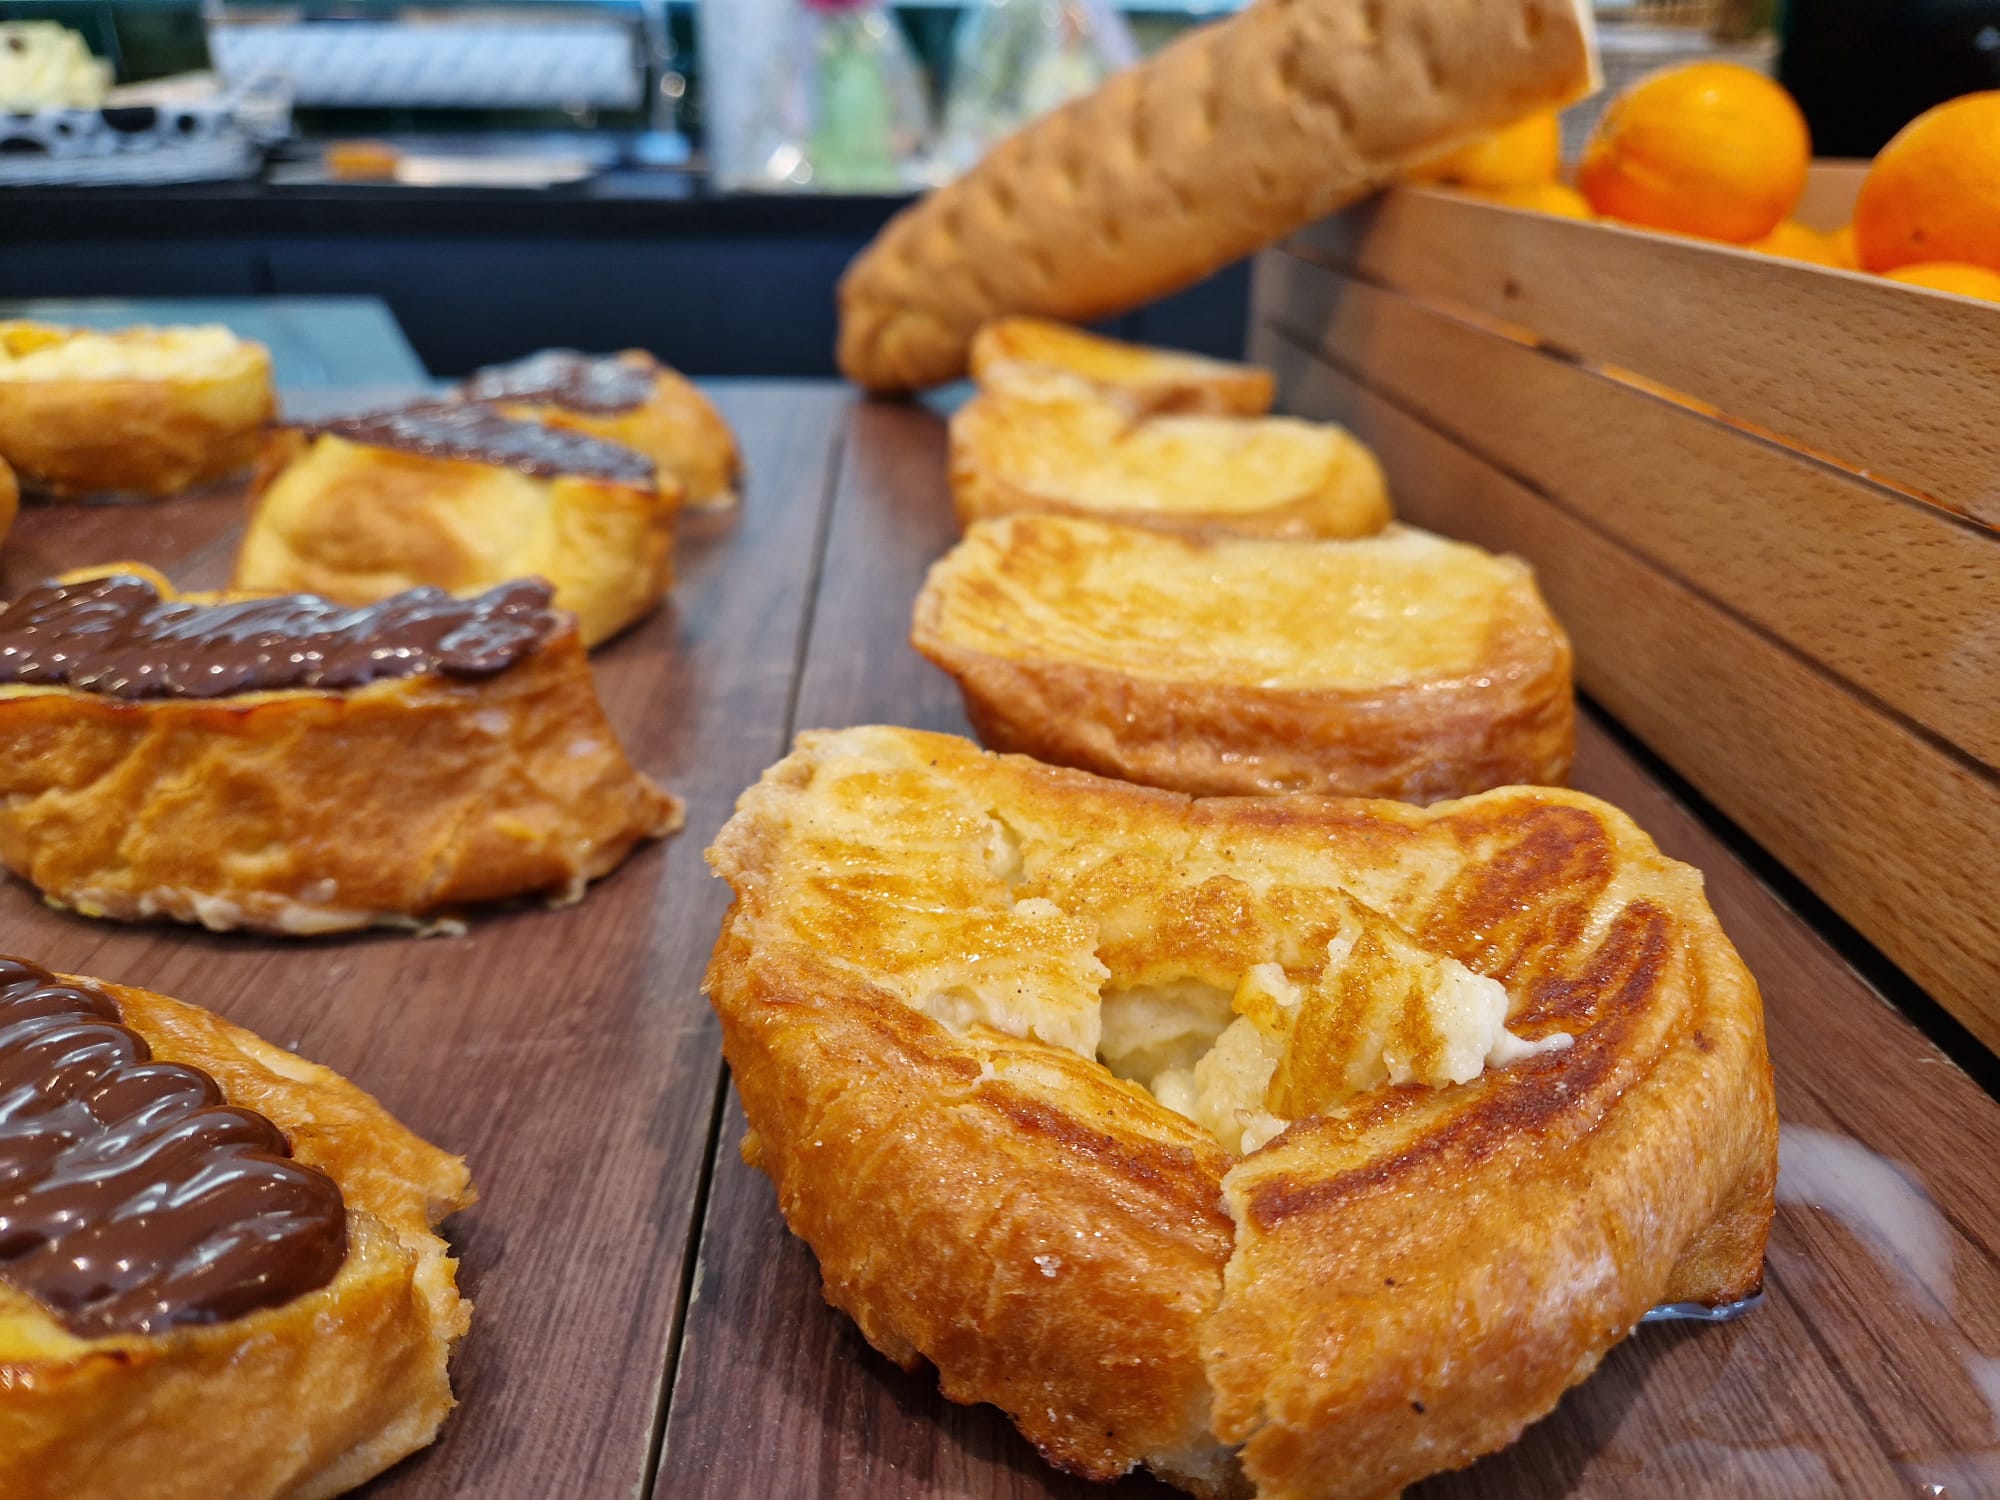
column 1895, row 834
column 1834, row 1387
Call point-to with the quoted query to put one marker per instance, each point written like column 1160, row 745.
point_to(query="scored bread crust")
column 677, row 427
column 308, row 811
column 1155, row 379
column 1508, row 719
column 1231, row 138
column 294, row 1402
column 139, row 437
column 1383, row 1291
column 1052, row 444
column 357, row 523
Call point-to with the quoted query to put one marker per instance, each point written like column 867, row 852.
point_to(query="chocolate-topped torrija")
column 605, row 384
column 116, row 636
column 133, row 1199
column 481, row 435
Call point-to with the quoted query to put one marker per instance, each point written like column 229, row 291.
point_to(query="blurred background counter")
column 687, row 175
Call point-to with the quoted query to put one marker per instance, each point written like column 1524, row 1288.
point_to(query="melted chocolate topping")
column 480, row 435
column 603, row 385
column 132, row 1199
column 115, row 636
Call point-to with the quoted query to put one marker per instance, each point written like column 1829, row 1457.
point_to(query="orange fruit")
column 1518, row 155
column 1840, row 245
column 1543, row 198
column 1792, row 240
column 1708, row 149
column 1950, row 276
column 1934, row 191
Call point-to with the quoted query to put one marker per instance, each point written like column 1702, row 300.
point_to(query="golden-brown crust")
column 74, row 437
column 677, row 427
column 1156, row 380
column 400, row 802
column 1231, row 138
column 10, row 499
column 1505, row 716
column 1405, row 1281
column 1054, row 445
column 357, row 523
column 294, row 1402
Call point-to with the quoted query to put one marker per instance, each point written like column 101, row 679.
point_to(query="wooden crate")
column 1761, row 495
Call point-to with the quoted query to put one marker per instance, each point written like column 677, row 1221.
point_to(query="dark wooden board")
column 1861, row 1374
column 567, row 1054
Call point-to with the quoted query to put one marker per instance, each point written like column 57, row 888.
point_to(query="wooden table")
column 646, row 1326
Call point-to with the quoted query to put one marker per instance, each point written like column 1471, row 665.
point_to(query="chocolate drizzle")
column 115, row 636
column 602, row 385
column 480, row 435
column 132, row 1198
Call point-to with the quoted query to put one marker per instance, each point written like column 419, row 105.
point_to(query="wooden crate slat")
column 1884, row 378
column 1899, row 837
column 1893, row 595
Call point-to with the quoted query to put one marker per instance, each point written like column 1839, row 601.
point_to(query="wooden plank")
column 1889, row 593
column 567, row 1053
column 1896, row 835
column 1845, row 1382
column 1882, row 377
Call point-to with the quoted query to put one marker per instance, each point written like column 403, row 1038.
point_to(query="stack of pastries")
column 1161, row 582
column 1306, row 1118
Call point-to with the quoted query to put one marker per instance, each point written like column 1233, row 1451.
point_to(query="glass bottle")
column 1015, row 59
column 843, row 107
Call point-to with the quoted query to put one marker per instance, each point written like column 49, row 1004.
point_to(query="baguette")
column 1228, row 140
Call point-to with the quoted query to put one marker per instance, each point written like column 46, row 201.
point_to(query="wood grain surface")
column 1882, row 377
column 1888, row 592
column 568, row 1054
column 1896, row 828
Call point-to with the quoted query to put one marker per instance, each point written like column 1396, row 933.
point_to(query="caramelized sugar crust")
column 1400, row 665
column 294, row 1402
column 1158, row 380
column 1048, row 442
column 930, row 947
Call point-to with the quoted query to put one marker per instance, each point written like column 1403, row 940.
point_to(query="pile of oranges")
column 1721, row 152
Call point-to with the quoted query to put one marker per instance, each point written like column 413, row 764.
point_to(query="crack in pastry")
column 460, row 497
column 141, row 411
column 294, row 766
column 201, row 1234
column 1040, row 440
column 1399, row 665
column 629, row 398
column 1442, row 1101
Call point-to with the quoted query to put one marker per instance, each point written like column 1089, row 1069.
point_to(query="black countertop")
column 619, row 201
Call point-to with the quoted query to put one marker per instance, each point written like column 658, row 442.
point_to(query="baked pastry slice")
column 295, row 766
column 1398, row 665
column 462, row 498
column 1156, row 380
column 1289, row 1146
column 218, row 1270
column 1236, row 135
column 629, row 398
column 141, row 411
column 1049, row 442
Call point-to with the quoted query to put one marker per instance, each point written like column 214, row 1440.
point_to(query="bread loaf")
column 1234, row 136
